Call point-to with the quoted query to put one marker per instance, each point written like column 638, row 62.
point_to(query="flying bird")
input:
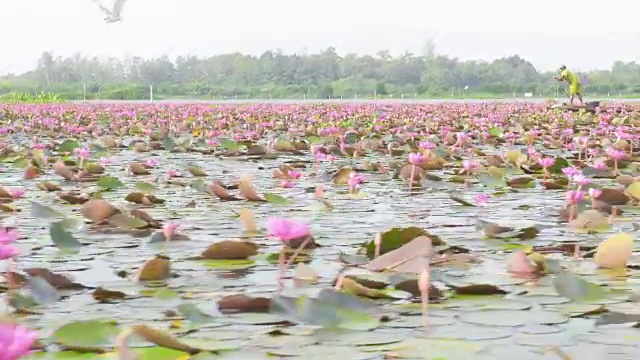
column 114, row 14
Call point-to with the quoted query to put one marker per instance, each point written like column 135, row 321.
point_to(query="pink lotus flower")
column 8, row 236
column 546, row 162
column 571, row 171
column 426, row 145
column 616, row 154
column 416, row 158
column 574, row 196
column 599, row 165
column 287, row 184
column 15, row 341
column 481, row 199
column 580, row 180
column 152, row 163
column 173, row 173
column 355, row 180
column 7, row 251
column 468, row 166
column 16, row 193
column 106, row 161
column 82, row 153
column 287, row 229
column 169, row 230
column 594, row 193
column 295, row 174
column 39, row 146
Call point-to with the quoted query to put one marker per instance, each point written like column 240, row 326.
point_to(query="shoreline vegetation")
column 52, row 98
column 321, row 76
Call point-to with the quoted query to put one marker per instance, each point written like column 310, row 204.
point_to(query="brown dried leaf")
column 103, row 295
column 138, row 169
column 30, row 173
column 98, row 210
column 162, row 338
column 341, row 177
column 613, row 196
column 74, row 199
column 158, row 268
column 222, row 193
column 59, row 168
column 417, row 248
column 5, row 194
column 242, row 303
column 248, row 220
column 139, row 198
column 257, row 150
column 418, row 176
column 146, row 218
column 108, row 141
column 246, row 189
column 58, row 281
column 49, row 186
column 230, row 250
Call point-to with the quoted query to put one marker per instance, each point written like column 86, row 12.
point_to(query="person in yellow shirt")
column 574, row 83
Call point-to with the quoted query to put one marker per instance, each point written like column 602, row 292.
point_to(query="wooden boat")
column 594, row 106
column 590, row 107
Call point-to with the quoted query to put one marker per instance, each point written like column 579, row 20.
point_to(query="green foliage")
column 29, row 98
column 324, row 75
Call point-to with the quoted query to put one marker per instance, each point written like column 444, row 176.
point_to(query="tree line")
column 321, row 75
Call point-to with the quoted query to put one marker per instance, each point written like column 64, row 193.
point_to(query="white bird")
column 114, row 14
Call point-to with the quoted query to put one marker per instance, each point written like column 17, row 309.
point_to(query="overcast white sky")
column 583, row 34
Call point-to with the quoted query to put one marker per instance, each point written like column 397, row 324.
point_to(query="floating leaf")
column 40, row 211
column 229, row 144
column 146, row 187
column 21, row 302
column 127, row 222
column 62, row 238
column 86, row 335
column 495, row 131
column 460, row 201
column 575, row 288
column 41, row 291
column 615, row 251
column 276, row 199
column 68, row 146
column 169, row 144
column 194, row 315
column 196, row 171
column 558, row 165
column 109, row 183
column 633, row 190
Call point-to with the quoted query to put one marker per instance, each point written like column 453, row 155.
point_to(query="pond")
column 145, row 229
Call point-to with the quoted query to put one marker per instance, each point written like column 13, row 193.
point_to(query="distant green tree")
column 322, row 75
